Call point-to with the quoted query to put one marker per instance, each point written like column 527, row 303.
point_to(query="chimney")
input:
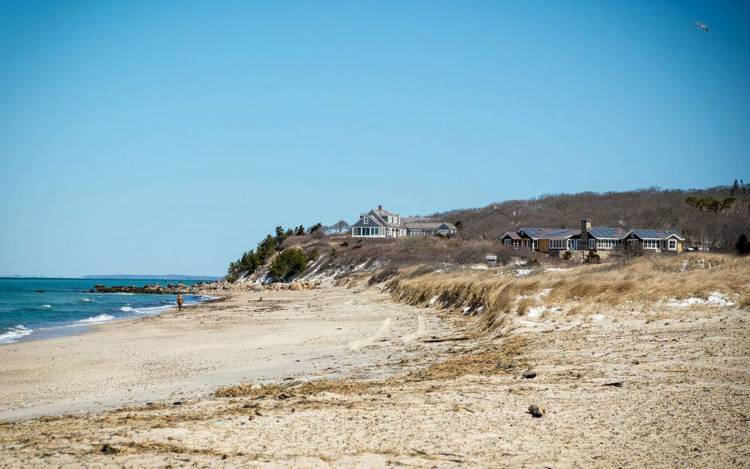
column 585, row 227
column 380, row 207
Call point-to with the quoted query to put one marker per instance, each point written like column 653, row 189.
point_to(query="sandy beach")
column 621, row 390
column 258, row 337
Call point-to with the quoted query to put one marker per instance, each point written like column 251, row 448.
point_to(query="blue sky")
column 168, row 137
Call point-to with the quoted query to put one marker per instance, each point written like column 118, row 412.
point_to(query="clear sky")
column 168, row 137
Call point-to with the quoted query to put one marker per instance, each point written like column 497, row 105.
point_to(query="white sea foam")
column 128, row 309
column 14, row 334
column 85, row 300
column 95, row 319
column 44, row 306
column 154, row 309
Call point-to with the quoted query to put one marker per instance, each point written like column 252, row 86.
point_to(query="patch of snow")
column 433, row 300
column 521, row 272
column 536, row 311
column 479, row 267
column 597, row 317
column 714, row 299
column 555, row 269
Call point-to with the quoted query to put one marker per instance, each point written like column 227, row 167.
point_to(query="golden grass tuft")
column 497, row 358
column 524, row 305
column 309, row 388
column 642, row 281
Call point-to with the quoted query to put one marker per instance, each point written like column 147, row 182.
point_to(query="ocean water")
column 42, row 308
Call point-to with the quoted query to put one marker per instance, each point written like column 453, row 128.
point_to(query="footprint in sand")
column 379, row 335
column 420, row 332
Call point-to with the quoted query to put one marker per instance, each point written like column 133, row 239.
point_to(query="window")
column 535, row 244
column 366, row 220
column 557, row 244
column 672, row 244
column 357, row 231
column 650, row 244
column 606, row 243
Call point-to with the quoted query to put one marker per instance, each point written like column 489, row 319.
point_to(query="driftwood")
column 444, row 339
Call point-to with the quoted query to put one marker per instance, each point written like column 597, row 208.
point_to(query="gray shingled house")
column 600, row 238
column 380, row 223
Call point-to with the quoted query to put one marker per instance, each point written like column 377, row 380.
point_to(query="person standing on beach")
column 179, row 301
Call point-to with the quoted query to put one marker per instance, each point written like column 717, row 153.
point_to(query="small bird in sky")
column 701, row 25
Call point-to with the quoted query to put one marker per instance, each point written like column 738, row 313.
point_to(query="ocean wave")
column 129, row 309
column 14, row 334
column 85, row 300
column 44, row 306
column 95, row 319
column 154, row 309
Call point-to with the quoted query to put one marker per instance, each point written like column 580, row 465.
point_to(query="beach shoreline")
column 346, row 377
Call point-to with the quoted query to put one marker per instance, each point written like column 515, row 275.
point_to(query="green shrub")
column 592, row 258
column 291, row 262
column 251, row 260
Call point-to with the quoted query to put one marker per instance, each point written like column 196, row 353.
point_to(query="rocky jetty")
column 154, row 288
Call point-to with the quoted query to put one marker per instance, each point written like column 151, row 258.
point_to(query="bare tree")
column 341, row 225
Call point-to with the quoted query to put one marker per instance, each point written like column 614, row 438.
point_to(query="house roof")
column 428, row 225
column 655, row 234
column 371, row 221
column 606, row 232
column 549, row 233
column 378, row 217
column 383, row 213
column 511, row 235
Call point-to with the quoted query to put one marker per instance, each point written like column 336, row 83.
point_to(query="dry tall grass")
column 641, row 281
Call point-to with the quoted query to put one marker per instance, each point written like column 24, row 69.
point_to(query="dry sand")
column 287, row 335
column 623, row 389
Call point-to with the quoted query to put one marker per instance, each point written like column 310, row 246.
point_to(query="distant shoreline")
column 191, row 278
